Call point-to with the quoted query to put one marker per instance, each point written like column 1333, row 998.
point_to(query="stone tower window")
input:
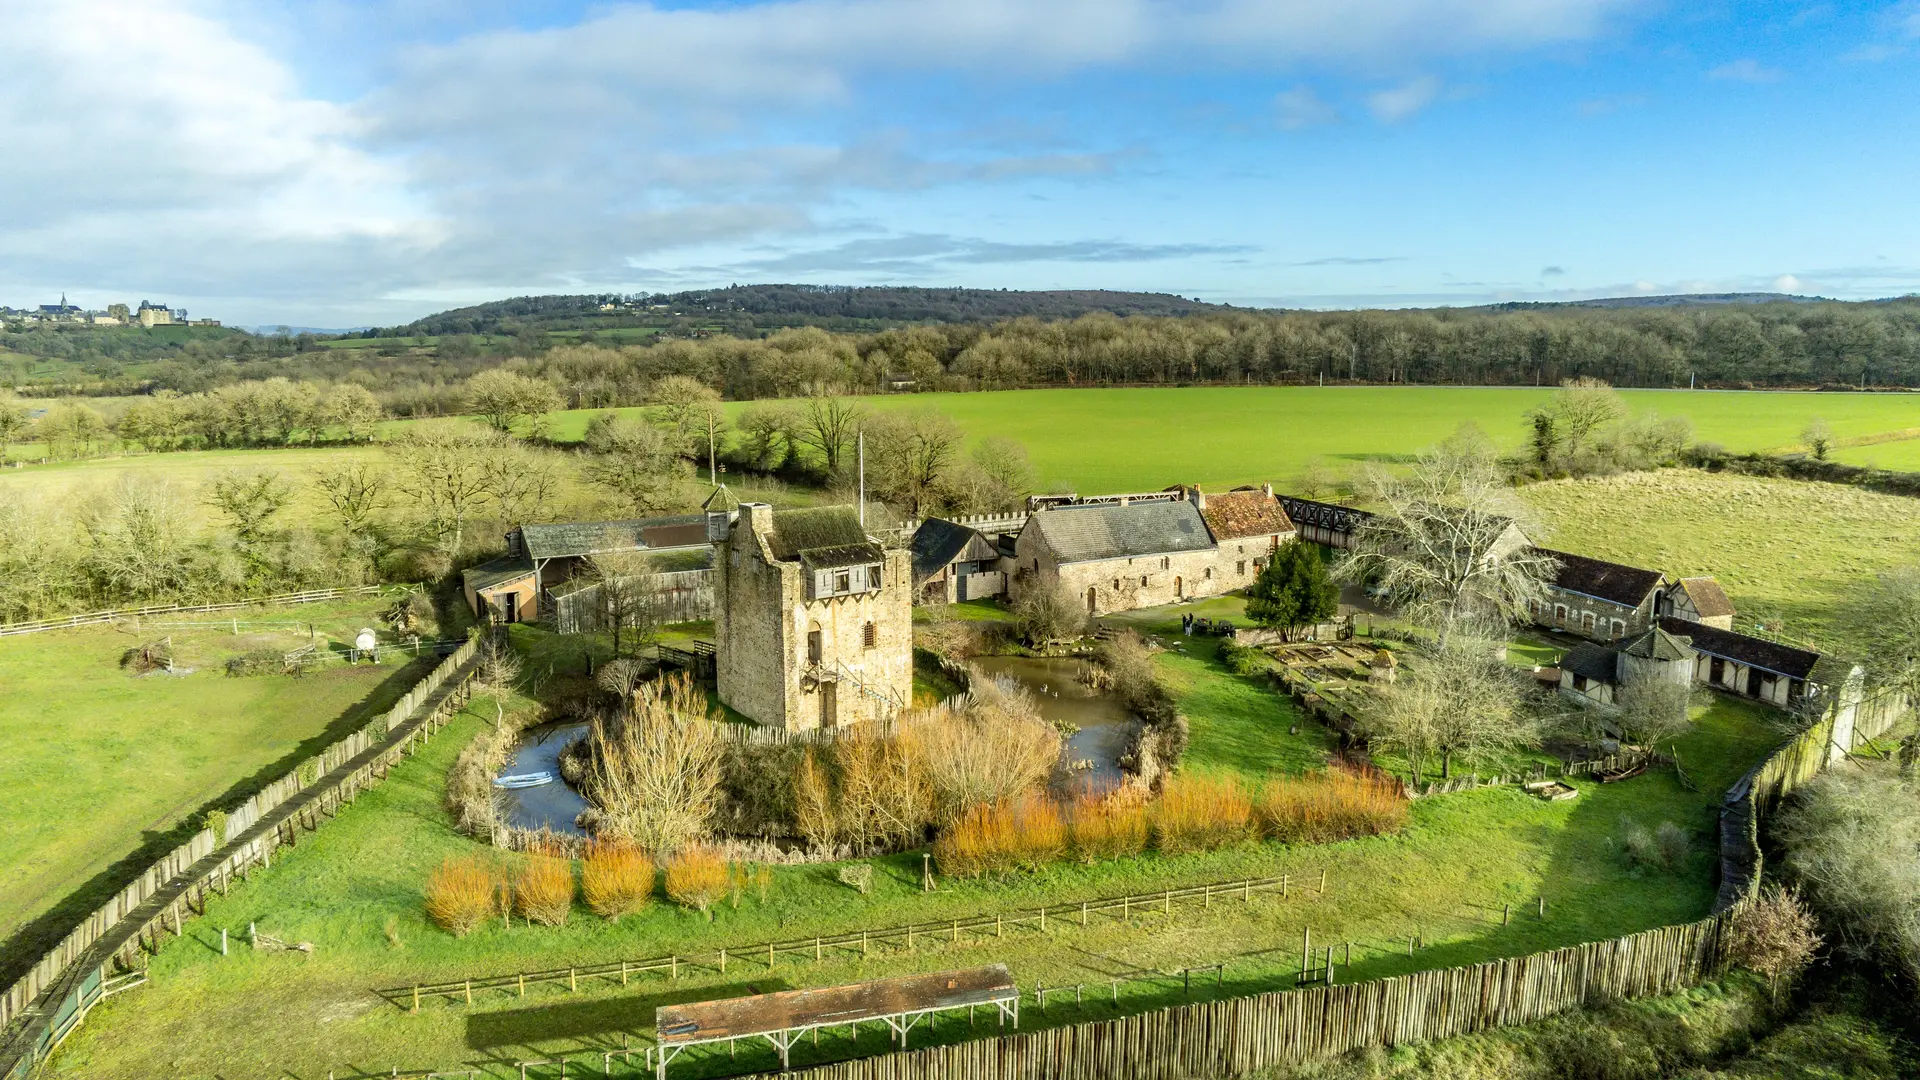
column 869, row 635
column 813, row 645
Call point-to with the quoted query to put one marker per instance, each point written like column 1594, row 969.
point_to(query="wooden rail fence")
column 158, row 902
column 90, row 618
column 951, row 931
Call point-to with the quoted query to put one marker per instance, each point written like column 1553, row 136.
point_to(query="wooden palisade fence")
column 91, row 618
column 161, row 898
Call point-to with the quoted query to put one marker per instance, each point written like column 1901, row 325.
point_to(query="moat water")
column 1106, row 727
column 551, row 806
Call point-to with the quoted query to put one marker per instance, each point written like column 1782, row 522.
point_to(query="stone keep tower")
column 813, row 620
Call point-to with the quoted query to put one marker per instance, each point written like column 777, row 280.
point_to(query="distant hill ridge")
column 784, row 305
column 1668, row 300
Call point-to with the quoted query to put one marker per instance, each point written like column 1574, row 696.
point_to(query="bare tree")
column 1885, row 630
column 1567, row 425
column 1652, row 712
column 1776, row 936
column 1049, row 615
column 521, row 481
column 139, row 541
column 1315, row 480
column 991, row 746
column 628, row 609
column 1458, row 701
column 443, row 468
column 637, row 463
column 690, row 410
column 999, row 479
column 829, row 420
column 355, row 490
column 770, row 429
column 353, row 409
column 249, row 501
column 1817, row 437
column 655, row 775
column 909, row 454
column 1850, row 840
column 1447, row 542
column 505, row 397
column 497, row 672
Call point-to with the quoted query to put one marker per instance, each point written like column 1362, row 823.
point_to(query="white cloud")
column 1397, row 103
column 1300, row 108
column 1747, row 70
column 1786, row 283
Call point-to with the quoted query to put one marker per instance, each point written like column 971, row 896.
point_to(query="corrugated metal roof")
column 1086, row 533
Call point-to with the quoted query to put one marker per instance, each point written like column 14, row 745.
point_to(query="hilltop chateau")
column 813, row 619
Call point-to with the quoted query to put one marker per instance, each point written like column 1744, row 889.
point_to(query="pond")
column 1106, row 727
column 551, row 805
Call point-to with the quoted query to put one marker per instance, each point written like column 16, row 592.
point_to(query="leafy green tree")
column 1294, row 588
column 13, row 421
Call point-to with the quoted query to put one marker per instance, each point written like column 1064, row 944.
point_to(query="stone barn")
column 1598, row 600
column 1248, row 526
column 1118, row 556
column 813, row 619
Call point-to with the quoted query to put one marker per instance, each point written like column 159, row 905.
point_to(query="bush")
column 1775, row 936
column 1663, row 849
column 257, row 662
column 1107, row 826
column 1242, row 659
column 543, row 888
column 697, row 878
column 1198, row 812
column 616, row 879
column 1027, row 831
column 460, row 895
column 857, row 875
column 1323, row 807
column 995, row 745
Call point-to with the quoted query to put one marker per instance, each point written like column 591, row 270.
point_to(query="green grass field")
column 101, row 764
column 1102, row 440
column 1784, row 550
column 353, row 889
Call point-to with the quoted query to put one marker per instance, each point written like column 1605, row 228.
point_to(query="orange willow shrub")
column 460, row 895
column 1024, row 831
column 1322, row 807
column 1107, row 826
column 543, row 889
column 1198, row 812
column 697, row 877
column 616, row 879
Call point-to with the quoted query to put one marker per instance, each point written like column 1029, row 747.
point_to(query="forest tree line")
column 1828, row 344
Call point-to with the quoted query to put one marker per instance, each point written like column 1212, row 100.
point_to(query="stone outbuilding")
column 1598, row 600
column 1596, row 672
column 813, row 619
column 1248, row 526
column 1698, row 600
column 1117, row 557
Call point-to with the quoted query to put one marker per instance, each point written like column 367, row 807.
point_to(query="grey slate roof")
column 1616, row 583
column 938, row 542
column 1653, row 643
column 592, row 537
column 1596, row 662
column 1087, row 533
column 1745, row 649
column 496, row 572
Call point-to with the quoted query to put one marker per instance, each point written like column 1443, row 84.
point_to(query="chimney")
column 1267, row 489
column 756, row 517
column 1199, row 497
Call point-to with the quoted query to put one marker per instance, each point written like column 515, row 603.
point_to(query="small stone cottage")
column 1698, row 600
column 813, row 619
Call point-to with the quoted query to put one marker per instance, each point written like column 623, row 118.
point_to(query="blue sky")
column 330, row 163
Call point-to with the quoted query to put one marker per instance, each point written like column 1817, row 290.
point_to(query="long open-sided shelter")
column 783, row 1017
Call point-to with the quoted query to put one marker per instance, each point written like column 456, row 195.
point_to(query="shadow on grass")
column 20, row 952
column 592, row 1025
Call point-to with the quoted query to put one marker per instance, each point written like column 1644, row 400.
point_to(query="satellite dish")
column 366, row 641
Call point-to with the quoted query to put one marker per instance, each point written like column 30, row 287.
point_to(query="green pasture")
column 1898, row 455
column 1788, row 552
column 105, row 770
column 353, row 890
column 1133, row 439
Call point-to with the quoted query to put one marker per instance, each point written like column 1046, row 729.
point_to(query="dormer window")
column 845, row 581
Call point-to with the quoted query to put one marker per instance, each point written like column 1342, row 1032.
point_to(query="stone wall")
column 1568, row 611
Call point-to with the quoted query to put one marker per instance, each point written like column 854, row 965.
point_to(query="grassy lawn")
column 1785, row 550
column 102, row 765
column 353, row 889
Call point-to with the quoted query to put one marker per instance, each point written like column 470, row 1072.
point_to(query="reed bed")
column 1322, row 807
column 1024, row 831
column 1201, row 812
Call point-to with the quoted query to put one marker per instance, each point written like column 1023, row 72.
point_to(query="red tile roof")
column 1239, row 514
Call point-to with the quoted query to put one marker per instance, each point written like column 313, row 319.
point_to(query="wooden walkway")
column 24, row 1041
